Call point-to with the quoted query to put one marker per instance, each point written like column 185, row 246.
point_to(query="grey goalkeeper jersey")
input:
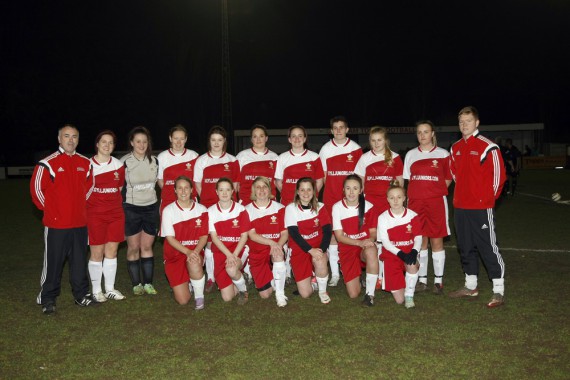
column 140, row 180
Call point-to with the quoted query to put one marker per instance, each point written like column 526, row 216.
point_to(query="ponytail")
column 361, row 210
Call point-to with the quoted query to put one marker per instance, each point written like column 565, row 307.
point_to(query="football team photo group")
column 259, row 221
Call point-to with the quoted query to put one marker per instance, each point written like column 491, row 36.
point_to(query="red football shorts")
column 433, row 213
column 260, row 267
column 394, row 269
column 350, row 263
column 302, row 264
column 106, row 228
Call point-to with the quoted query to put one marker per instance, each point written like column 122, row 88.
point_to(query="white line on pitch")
column 525, row 250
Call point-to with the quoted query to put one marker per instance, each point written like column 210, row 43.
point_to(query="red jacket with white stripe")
column 60, row 187
column 478, row 170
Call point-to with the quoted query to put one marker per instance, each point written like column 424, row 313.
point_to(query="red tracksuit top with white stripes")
column 478, row 170
column 60, row 187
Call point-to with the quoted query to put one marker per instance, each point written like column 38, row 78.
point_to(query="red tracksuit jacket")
column 478, row 170
column 60, row 187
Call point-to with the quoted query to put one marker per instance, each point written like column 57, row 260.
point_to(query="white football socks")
column 499, row 286
column 209, row 258
column 95, row 272
column 198, row 286
column 279, row 275
column 411, row 281
column 333, row 260
column 240, row 284
column 423, row 258
column 322, row 284
column 470, row 281
column 109, row 272
column 438, row 266
column 371, row 280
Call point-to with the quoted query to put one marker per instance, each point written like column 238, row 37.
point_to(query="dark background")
column 117, row 64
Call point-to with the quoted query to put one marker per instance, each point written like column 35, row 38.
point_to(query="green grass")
column 152, row 337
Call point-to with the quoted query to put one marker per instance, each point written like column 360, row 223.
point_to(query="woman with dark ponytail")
column 354, row 226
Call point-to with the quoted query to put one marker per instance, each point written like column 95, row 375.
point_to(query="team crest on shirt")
column 116, row 174
column 80, row 169
column 235, row 223
column 308, row 166
column 270, row 164
column 188, row 166
column 198, row 222
column 273, row 219
column 316, row 222
column 227, row 167
column 349, row 157
column 409, row 228
column 434, row 164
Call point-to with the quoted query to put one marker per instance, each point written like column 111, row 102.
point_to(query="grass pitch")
column 152, row 337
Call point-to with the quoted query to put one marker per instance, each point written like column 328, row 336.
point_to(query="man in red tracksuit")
column 59, row 187
column 479, row 174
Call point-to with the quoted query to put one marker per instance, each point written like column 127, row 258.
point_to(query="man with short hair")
column 479, row 173
column 60, row 185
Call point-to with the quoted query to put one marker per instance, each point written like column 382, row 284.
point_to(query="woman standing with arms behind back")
column 173, row 163
column 378, row 168
column 210, row 167
column 105, row 217
column 297, row 163
column 254, row 162
column 140, row 203
column 427, row 170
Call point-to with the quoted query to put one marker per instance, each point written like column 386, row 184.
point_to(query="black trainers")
column 48, row 308
column 87, row 300
column 368, row 301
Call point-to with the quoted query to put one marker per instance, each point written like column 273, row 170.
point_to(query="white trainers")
column 99, row 297
column 324, row 296
column 409, row 302
column 281, row 300
column 334, row 281
column 114, row 295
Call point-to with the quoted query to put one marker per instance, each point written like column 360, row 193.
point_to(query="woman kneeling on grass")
column 354, row 226
column 401, row 236
column 309, row 226
column 185, row 228
column 228, row 226
column 266, row 239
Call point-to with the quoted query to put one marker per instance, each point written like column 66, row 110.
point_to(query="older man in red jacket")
column 59, row 187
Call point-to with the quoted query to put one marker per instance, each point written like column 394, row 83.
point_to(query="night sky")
column 117, row 64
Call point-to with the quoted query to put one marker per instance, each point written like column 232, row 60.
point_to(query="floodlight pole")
column 226, row 77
